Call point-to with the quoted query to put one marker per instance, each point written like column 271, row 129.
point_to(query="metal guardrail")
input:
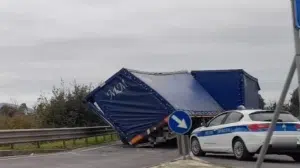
column 52, row 134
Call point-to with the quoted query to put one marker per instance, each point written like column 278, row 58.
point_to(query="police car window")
column 217, row 121
column 233, row 117
column 268, row 116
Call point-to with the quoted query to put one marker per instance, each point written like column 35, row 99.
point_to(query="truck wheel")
column 296, row 157
column 240, row 151
column 196, row 148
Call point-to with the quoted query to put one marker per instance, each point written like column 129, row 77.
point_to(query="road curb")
column 173, row 160
column 188, row 163
column 192, row 158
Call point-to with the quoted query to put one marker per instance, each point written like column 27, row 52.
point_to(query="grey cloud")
column 43, row 41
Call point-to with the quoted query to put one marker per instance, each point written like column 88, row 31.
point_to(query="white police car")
column 242, row 132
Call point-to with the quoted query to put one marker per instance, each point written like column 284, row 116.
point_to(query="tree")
column 23, row 108
column 8, row 110
column 65, row 108
column 272, row 106
column 292, row 106
column 261, row 102
column 294, row 103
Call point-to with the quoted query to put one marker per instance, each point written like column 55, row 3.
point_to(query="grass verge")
column 61, row 145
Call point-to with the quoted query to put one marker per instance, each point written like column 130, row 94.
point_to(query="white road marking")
column 34, row 156
column 91, row 149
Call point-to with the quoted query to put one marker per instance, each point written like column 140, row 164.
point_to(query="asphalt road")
column 112, row 156
column 271, row 161
column 119, row 156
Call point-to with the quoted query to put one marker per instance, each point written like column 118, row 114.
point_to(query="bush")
column 17, row 122
column 66, row 108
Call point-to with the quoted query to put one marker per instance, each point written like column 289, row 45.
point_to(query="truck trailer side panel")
column 230, row 88
column 129, row 105
column 251, row 91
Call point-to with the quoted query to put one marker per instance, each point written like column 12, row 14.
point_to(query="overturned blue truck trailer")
column 137, row 104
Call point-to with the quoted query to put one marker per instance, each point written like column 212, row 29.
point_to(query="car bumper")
column 280, row 144
column 282, row 150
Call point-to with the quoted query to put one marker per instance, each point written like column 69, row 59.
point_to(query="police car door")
column 210, row 137
column 227, row 131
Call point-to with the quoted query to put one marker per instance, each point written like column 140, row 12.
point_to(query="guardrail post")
column 104, row 136
column 64, row 144
column 11, row 146
column 86, row 141
column 38, row 144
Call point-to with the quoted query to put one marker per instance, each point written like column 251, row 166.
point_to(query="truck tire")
column 296, row 158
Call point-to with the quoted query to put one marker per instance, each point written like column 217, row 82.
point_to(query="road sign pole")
column 183, row 146
column 180, row 123
column 187, row 146
column 179, row 145
column 295, row 65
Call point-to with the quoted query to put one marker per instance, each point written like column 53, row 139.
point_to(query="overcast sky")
column 42, row 41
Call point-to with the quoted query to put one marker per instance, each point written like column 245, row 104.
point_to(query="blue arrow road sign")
column 297, row 13
column 180, row 122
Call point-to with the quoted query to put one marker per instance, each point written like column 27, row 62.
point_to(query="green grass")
column 59, row 145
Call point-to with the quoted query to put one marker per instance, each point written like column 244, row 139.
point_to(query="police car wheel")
column 196, row 148
column 296, row 157
column 240, row 151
